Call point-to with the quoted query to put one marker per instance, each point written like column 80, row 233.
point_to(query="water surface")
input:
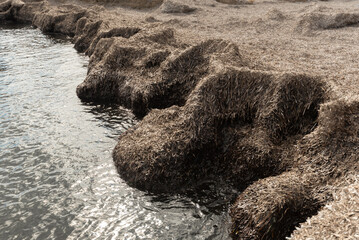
column 57, row 178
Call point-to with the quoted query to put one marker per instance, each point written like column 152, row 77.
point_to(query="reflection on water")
column 57, row 178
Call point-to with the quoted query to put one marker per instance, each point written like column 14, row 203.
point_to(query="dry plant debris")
column 263, row 98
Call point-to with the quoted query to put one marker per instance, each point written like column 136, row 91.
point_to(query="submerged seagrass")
column 211, row 111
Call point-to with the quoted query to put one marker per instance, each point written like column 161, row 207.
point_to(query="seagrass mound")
column 140, row 68
column 236, row 122
column 151, row 69
column 212, row 113
column 9, row 8
column 137, row 4
column 169, row 6
column 236, row 2
column 338, row 219
column 323, row 18
column 322, row 159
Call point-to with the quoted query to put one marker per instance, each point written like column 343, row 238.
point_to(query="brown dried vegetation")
column 209, row 113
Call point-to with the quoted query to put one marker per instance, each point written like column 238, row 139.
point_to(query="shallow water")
column 57, row 178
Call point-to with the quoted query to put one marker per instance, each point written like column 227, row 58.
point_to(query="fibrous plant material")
column 284, row 200
column 210, row 112
column 10, row 8
column 235, row 2
column 216, row 118
column 321, row 158
column 136, row 4
column 169, row 6
column 338, row 219
column 321, row 18
column 155, row 76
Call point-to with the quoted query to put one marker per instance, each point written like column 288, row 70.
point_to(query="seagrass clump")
column 338, row 219
column 82, row 24
column 137, row 4
column 269, row 208
column 324, row 18
column 294, row 107
column 152, row 69
column 124, row 32
column 55, row 21
column 274, row 206
column 5, row 6
column 211, row 115
column 10, row 8
column 169, row 6
column 220, row 126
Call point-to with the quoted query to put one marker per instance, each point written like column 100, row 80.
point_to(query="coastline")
column 216, row 108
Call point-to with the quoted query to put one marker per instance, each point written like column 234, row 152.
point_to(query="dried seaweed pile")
column 321, row 18
column 210, row 113
column 9, row 8
column 232, row 123
column 338, row 219
column 138, row 4
column 322, row 160
column 148, row 70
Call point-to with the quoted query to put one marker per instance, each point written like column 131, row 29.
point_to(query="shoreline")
column 214, row 109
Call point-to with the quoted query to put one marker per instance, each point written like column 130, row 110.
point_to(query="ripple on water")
column 57, row 178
